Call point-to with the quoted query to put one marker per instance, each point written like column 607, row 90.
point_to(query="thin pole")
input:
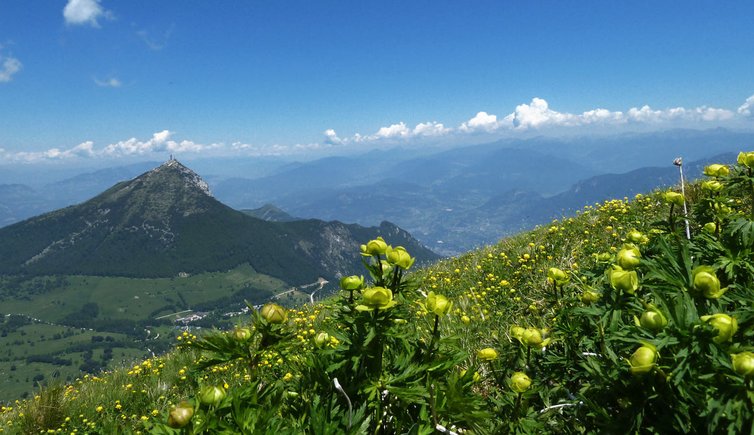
column 679, row 162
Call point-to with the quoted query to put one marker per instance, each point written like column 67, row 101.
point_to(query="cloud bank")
column 537, row 115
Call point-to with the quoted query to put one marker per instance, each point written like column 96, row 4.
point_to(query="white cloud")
column 745, row 108
column 79, row 12
column 8, row 67
column 155, row 44
column 331, row 137
column 394, row 131
column 112, row 82
column 481, row 122
column 430, row 129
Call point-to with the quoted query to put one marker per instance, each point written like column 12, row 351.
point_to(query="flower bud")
column 705, row 280
column 438, row 304
column 716, row 170
column 321, row 339
column 465, row 319
column 241, row 334
column 476, row 377
column 180, row 416
column 635, row 236
column 643, row 360
column 623, row 280
column 520, row 382
column 557, row 276
column 743, row 363
column 724, row 324
column 351, row 282
column 653, row 320
column 710, row 228
column 603, row 257
column 487, row 354
column 532, row 337
column 211, row 395
column 273, row 313
column 376, row 298
column 629, row 257
column 517, row 332
column 712, row 186
column 746, row 159
column 673, row 198
column 374, row 247
column 399, row 257
column 590, row 297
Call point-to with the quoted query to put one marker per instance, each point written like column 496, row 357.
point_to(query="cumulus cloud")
column 8, row 67
column 80, row 12
column 745, row 108
column 430, row 129
column 483, row 121
column 331, row 138
column 393, row 131
column 112, row 82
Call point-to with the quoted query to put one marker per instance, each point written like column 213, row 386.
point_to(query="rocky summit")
column 166, row 221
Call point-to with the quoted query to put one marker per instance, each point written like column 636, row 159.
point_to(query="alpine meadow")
column 376, row 218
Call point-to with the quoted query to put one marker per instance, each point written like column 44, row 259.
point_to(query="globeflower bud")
column 399, row 257
column 712, row 186
column 705, row 280
column 520, row 382
column 746, row 159
column 635, row 236
column 517, row 332
column 653, row 320
column 211, row 395
column 273, row 313
column 321, row 339
column 590, row 297
column 623, row 280
column 629, row 257
column 716, row 170
column 376, row 298
column 351, row 282
column 532, row 337
column 557, row 276
column 241, row 334
column 710, row 228
column 487, row 354
column 643, row 360
column 180, row 416
column 673, row 198
column 724, row 324
column 438, row 304
column 476, row 377
column 374, row 247
column 743, row 363
column 603, row 257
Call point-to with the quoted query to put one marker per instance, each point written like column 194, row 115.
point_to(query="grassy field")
column 48, row 304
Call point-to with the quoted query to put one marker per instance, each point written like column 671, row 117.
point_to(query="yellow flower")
column 374, row 247
column 716, row 170
column 487, row 354
column 724, row 324
column 643, row 360
column 520, row 382
column 438, row 304
column 376, row 298
column 746, row 159
column 287, row 377
column 399, row 257
column 273, row 313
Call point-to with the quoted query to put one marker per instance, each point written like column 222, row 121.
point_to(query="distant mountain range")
column 450, row 199
column 165, row 222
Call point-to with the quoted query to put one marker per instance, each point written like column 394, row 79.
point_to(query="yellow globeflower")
column 487, row 354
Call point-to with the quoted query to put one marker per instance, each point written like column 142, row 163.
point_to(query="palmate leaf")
column 743, row 230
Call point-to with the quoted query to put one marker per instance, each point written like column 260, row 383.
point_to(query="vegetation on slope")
column 610, row 321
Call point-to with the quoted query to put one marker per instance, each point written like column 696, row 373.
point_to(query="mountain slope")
column 165, row 222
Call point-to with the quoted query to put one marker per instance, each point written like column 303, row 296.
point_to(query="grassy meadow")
column 613, row 320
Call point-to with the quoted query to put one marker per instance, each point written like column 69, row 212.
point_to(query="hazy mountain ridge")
column 165, row 222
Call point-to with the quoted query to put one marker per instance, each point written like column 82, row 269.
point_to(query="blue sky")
column 84, row 79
